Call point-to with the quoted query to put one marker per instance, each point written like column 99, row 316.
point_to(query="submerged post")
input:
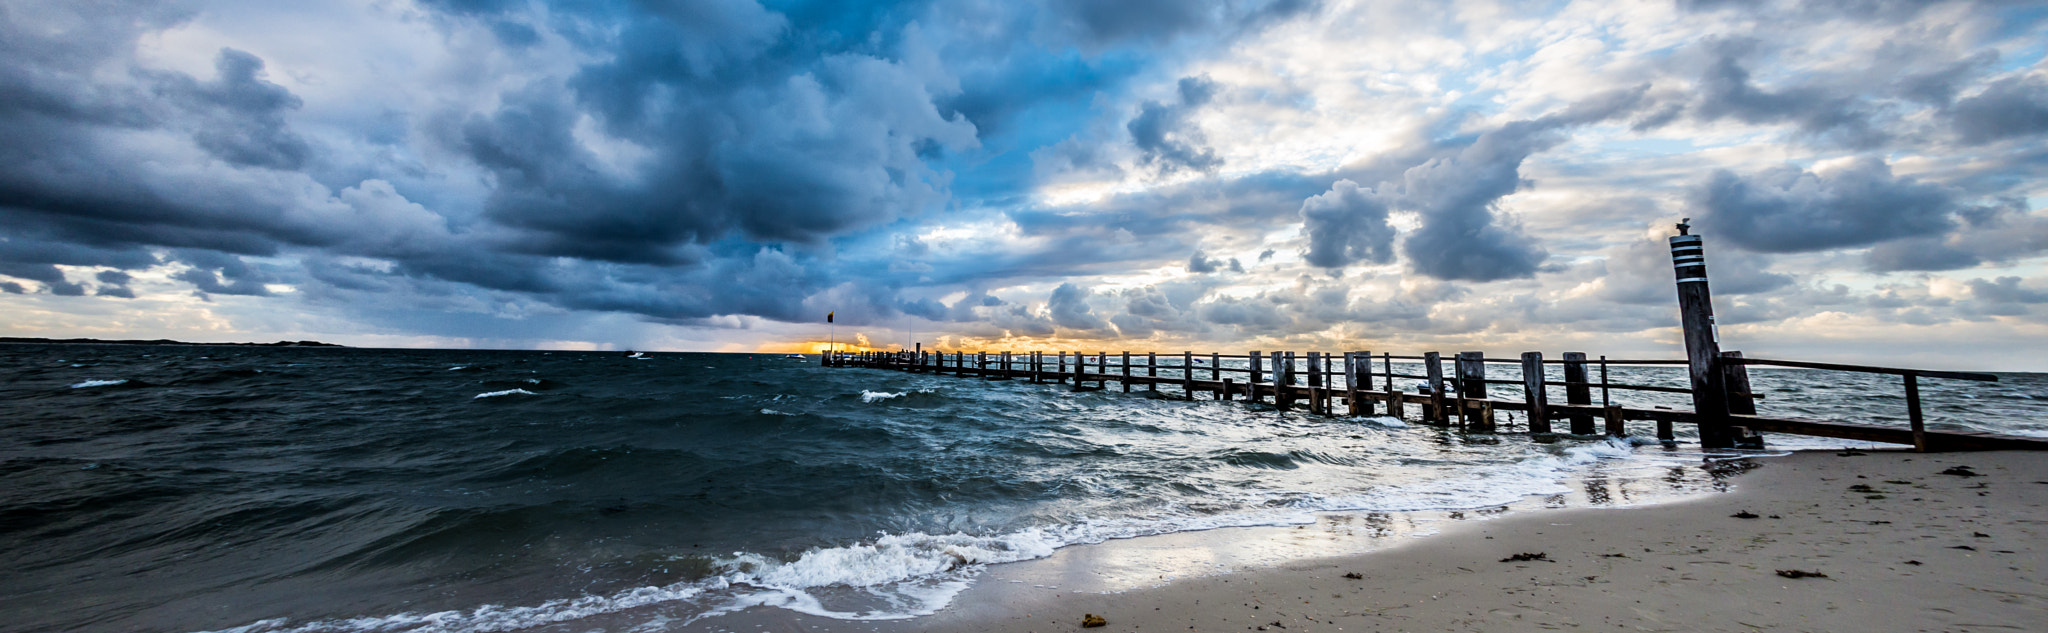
column 1251, row 386
column 1187, row 374
column 1537, row 397
column 1735, row 382
column 1578, row 390
column 1283, row 379
column 1472, row 385
column 1913, row 413
column 1433, row 366
column 1315, row 382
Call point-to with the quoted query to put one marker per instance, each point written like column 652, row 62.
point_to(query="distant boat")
column 635, row 354
column 797, row 357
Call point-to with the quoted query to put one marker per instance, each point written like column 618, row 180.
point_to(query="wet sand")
column 1902, row 547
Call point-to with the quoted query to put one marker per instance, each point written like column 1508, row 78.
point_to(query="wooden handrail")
column 1895, row 371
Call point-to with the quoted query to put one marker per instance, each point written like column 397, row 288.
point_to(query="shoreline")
column 1892, row 555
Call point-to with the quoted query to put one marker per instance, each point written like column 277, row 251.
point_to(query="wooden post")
column 1351, row 403
column 1329, row 385
column 1433, row 366
column 1615, row 426
column 1578, row 391
column 1227, row 384
column 1061, row 375
column 1215, row 367
column 1187, row 374
column 1702, row 340
column 1315, row 382
column 1152, row 370
column 1536, row 395
column 981, row 364
column 1664, row 431
column 1080, row 368
column 1102, row 363
column 1127, row 372
column 1472, row 385
column 917, row 358
column 1735, row 379
column 1252, row 385
column 1283, row 380
column 1913, row 413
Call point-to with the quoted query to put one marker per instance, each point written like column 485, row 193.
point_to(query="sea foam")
column 98, row 383
column 507, row 392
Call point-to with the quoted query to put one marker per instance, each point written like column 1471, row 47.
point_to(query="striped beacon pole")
column 1702, row 341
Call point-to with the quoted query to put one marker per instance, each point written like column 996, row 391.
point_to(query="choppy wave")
column 507, row 392
column 620, row 494
column 99, row 383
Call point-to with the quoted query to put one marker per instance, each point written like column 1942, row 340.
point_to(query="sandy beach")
column 1892, row 543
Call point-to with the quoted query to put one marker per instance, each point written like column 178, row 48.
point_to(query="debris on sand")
column 1745, row 514
column 1961, row 471
column 1353, row 575
column 1526, row 557
column 1797, row 573
column 1090, row 620
column 1850, row 452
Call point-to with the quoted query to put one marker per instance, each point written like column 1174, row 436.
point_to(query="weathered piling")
column 1534, row 393
column 1471, row 383
column 1702, row 342
column 1578, row 392
column 1433, row 367
column 1187, row 375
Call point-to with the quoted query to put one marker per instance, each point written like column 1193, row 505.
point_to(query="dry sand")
column 1914, row 551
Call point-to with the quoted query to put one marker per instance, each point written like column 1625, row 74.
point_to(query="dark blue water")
column 257, row 489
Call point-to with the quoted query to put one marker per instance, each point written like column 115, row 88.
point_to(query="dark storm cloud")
column 2006, row 290
column 1726, row 92
column 221, row 274
column 1346, row 225
column 239, row 117
column 1167, row 138
column 1462, row 237
column 1996, row 234
column 1069, row 308
column 1156, row 21
column 114, row 283
column 1789, row 210
column 2012, row 107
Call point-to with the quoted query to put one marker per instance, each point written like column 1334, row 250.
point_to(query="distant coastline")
column 20, row 340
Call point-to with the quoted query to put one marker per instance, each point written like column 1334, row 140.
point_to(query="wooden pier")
column 1364, row 384
column 1724, row 408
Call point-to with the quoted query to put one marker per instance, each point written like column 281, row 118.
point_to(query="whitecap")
column 507, row 392
column 99, row 383
column 878, row 396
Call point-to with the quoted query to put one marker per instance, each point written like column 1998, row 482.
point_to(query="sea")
column 259, row 490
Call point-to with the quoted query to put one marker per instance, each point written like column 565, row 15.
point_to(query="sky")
column 1870, row 176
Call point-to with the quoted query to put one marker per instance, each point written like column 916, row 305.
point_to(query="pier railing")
column 1452, row 389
